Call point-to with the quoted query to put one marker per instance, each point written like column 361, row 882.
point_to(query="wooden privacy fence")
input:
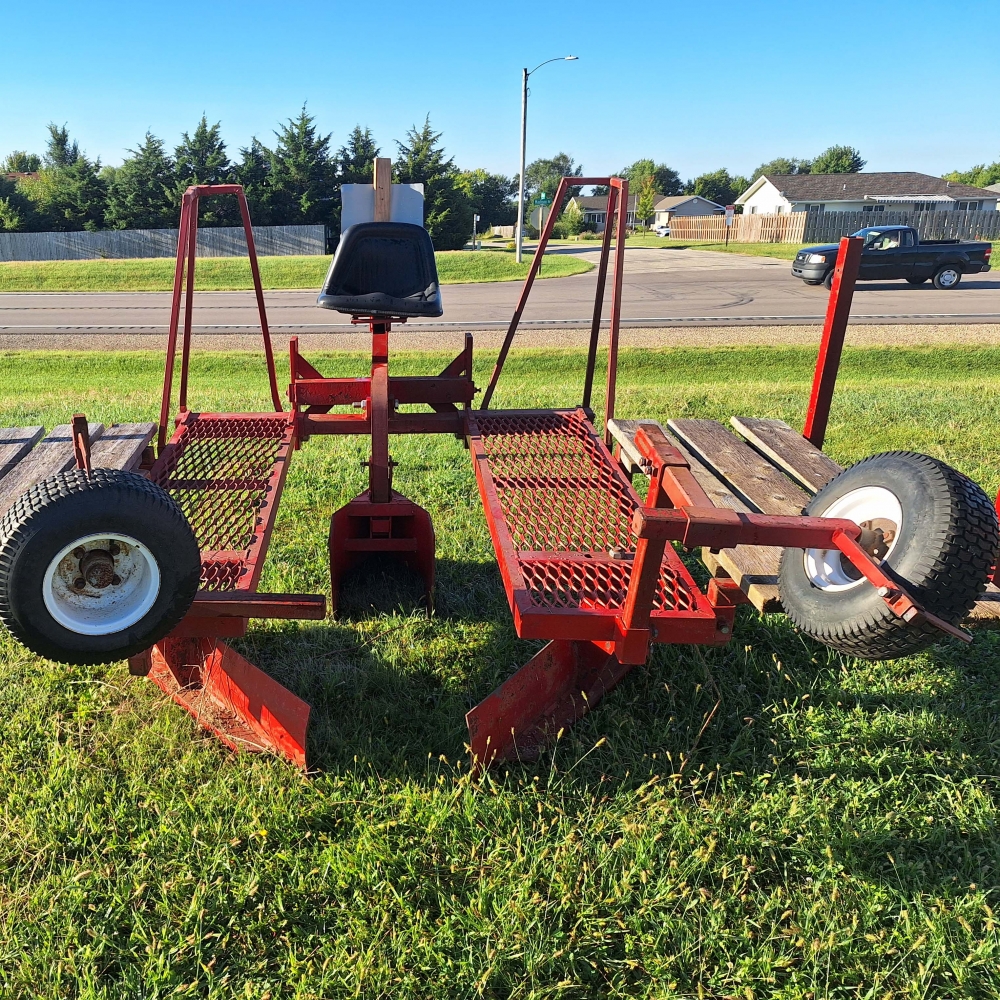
column 227, row 241
column 828, row 227
column 783, row 228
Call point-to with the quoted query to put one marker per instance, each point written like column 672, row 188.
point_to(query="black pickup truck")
column 898, row 252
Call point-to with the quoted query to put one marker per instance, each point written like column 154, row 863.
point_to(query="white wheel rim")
column 948, row 277
column 93, row 608
column 825, row 567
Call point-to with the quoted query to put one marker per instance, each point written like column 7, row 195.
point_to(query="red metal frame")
column 585, row 563
column 838, row 312
column 187, row 240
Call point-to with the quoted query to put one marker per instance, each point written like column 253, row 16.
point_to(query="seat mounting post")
column 379, row 464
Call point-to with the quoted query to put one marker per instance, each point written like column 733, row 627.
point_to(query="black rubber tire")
column 947, row 268
column 813, row 282
column 943, row 556
column 828, row 279
column 58, row 510
column 916, row 281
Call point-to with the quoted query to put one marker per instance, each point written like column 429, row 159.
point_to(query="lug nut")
column 79, row 552
column 114, row 548
column 79, row 583
column 115, row 580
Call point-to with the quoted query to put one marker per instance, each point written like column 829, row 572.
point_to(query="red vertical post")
column 616, row 307
column 379, row 478
column 175, row 312
column 602, row 277
column 188, row 302
column 831, row 346
column 259, row 291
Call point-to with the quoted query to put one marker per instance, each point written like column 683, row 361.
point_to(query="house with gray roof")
column 595, row 208
column 903, row 191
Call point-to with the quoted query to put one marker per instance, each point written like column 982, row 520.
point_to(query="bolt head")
column 115, row 580
column 79, row 552
column 79, row 583
column 883, row 591
column 114, row 548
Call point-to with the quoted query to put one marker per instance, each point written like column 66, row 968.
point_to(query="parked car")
column 898, row 252
column 663, row 230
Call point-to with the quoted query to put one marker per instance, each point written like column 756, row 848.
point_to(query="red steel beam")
column 838, row 312
column 616, row 306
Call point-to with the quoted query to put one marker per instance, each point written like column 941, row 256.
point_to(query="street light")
column 524, row 132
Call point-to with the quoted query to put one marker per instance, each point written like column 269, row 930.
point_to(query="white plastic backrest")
column 358, row 204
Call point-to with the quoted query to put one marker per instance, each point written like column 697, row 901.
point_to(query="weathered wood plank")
column 786, row 448
column 54, row 454
column 121, row 446
column 754, row 568
column 15, row 443
column 986, row 611
column 751, row 477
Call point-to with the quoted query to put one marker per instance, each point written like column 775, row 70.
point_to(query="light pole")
column 525, row 73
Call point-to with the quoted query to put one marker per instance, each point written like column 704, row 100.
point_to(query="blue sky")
column 913, row 85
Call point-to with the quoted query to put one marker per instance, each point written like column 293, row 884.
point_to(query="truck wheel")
column 95, row 567
column 916, row 281
column 939, row 538
column 828, row 279
column 947, row 277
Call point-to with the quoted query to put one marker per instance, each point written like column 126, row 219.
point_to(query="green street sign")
column 543, row 199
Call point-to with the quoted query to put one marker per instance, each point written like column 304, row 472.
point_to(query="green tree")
column 20, row 162
column 571, row 222
column 68, row 193
column 303, row 174
column 355, row 159
column 645, row 199
column 838, row 160
column 718, row 186
column 493, row 197
column 201, row 158
column 447, row 211
column 981, row 175
column 543, row 175
column 17, row 213
column 782, row 165
column 141, row 191
column 60, row 152
column 254, row 173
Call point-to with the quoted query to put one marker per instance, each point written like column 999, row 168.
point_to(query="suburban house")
column 595, row 208
column 905, row 191
column 683, row 204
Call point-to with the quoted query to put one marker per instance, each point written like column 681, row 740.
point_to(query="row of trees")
column 981, row 175
column 296, row 182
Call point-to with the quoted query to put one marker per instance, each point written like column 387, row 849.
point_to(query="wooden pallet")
column 27, row 458
column 771, row 469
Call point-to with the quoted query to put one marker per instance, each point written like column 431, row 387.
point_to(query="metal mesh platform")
column 226, row 472
column 560, row 512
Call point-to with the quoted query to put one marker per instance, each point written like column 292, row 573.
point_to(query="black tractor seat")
column 383, row 269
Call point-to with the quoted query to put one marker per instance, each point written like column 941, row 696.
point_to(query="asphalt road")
column 661, row 288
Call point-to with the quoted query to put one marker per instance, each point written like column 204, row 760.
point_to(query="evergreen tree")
column 17, row 213
column 447, row 211
column 68, row 198
column 254, row 173
column 60, row 152
column 354, row 161
column 303, row 174
column 201, row 158
column 141, row 190
column 20, row 162
column 838, row 160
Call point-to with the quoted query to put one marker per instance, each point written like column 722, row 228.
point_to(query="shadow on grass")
column 390, row 685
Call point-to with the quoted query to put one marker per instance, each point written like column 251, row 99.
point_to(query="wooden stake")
column 383, row 189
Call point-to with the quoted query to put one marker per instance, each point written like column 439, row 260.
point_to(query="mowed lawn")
column 768, row 819
column 231, row 273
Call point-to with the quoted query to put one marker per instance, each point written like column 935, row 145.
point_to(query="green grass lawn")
column 767, row 819
column 230, row 273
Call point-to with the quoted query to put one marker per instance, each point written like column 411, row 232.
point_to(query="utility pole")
column 525, row 73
